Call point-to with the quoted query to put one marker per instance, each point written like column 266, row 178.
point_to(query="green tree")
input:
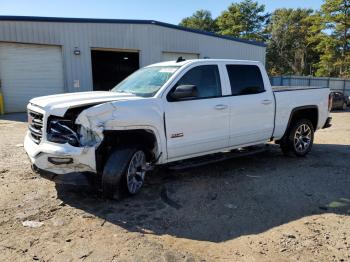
column 334, row 46
column 243, row 20
column 200, row 20
column 292, row 41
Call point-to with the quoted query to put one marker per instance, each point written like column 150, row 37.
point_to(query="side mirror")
column 184, row 92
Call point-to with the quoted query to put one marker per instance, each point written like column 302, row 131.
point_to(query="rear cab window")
column 245, row 79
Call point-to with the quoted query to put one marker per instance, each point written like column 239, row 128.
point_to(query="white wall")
column 150, row 40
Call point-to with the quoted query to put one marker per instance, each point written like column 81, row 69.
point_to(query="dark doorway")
column 109, row 68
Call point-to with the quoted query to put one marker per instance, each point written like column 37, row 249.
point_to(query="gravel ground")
column 258, row 208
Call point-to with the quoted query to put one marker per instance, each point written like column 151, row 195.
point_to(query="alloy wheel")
column 302, row 138
column 136, row 172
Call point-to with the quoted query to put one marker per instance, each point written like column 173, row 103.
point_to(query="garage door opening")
column 109, row 68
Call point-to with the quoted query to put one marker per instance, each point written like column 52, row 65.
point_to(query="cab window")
column 206, row 78
column 245, row 79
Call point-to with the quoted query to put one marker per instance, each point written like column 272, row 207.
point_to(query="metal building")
column 42, row 56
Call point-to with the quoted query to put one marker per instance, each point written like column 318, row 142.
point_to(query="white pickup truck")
column 168, row 113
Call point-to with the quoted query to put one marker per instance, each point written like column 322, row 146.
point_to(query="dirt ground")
column 265, row 207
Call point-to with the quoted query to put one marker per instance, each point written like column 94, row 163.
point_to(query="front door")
column 199, row 125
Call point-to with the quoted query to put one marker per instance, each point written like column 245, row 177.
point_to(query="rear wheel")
column 124, row 173
column 299, row 138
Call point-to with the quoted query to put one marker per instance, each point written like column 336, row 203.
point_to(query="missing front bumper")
column 74, row 178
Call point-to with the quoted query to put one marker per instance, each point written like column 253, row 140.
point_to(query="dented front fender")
column 92, row 123
column 142, row 114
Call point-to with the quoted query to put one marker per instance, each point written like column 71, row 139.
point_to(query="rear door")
column 201, row 125
column 251, row 106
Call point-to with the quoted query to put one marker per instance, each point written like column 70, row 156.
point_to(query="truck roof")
column 194, row 61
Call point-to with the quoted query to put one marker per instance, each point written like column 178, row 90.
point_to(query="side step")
column 214, row 158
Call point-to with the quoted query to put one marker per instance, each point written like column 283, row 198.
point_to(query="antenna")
column 180, row 59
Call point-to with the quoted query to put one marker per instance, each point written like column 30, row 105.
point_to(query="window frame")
column 239, row 64
column 182, row 74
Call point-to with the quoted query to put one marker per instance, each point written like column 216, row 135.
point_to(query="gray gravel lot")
column 257, row 208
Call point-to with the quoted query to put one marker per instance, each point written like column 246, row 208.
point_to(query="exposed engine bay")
column 64, row 129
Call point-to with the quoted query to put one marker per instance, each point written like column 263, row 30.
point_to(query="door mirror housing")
column 184, row 92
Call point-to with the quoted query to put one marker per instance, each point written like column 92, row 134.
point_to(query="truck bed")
column 294, row 88
column 301, row 97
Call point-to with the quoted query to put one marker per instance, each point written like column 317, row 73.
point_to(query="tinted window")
column 245, row 79
column 205, row 78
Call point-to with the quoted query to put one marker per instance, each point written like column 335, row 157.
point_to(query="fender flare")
column 294, row 111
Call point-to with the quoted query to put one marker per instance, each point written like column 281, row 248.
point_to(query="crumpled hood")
column 59, row 104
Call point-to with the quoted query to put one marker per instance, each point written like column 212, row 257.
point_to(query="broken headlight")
column 61, row 131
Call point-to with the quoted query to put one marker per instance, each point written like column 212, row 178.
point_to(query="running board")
column 218, row 157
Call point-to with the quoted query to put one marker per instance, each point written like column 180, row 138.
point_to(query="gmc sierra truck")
column 168, row 113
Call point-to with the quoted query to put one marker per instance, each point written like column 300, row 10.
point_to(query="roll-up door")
column 28, row 71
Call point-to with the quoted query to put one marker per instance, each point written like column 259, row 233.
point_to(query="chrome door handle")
column 266, row 102
column 221, row 107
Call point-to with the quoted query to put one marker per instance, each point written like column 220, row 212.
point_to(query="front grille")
column 35, row 126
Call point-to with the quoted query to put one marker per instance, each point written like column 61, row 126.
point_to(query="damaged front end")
column 92, row 123
column 62, row 155
column 70, row 129
column 79, row 142
column 62, row 131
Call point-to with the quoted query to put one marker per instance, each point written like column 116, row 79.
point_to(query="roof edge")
column 126, row 21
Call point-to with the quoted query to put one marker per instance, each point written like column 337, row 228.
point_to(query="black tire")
column 114, row 177
column 298, row 146
column 286, row 150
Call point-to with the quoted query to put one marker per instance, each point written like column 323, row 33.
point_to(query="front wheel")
column 299, row 138
column 124, row 173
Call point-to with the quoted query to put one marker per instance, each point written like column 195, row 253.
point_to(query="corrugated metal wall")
column 335, row 84
column 149, row 40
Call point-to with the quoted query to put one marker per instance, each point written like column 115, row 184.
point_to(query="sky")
column 160, row 10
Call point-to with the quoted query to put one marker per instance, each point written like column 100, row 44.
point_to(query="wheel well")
column 119, row 138
column 310, row 113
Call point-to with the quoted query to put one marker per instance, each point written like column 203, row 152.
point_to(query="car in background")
column 340, row 101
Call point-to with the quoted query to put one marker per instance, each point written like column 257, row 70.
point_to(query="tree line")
column 299, row 41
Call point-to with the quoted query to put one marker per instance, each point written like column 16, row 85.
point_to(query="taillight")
column 330, row 102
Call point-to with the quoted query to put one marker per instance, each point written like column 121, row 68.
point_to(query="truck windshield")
column 147, row 81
